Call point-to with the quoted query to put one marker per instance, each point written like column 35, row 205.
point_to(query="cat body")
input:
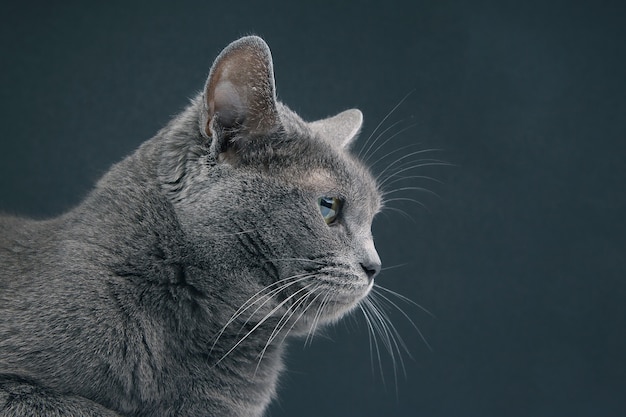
column 171, row 289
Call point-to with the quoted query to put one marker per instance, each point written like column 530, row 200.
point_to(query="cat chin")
column 345, row 308
column 331, row 312
column 344, row 305
column 339, row 311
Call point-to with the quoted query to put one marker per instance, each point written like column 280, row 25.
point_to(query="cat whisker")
column 403, row 298
column 268, row 298
column 398, row 210
column 404, row 156
column 295, row 306
column 398, row 178
column 372, row 337
column 316, row 318
column 391, row 267
column 243, row 232
column 397, row 190
column 376, row 331
column 397, row 340
column 425, row 160
column 399, row 150
column 381, row 123
column 291, row 310
column 283, row 283
column 270, row 295
column 409, row 155
column 367, row 154
column 419, row 332
column 251, row 301
column 406, row 167
column 296, row 259
column 263, row 320
column 379, row 322
column 399, row 132
column 367, row 141
column 396, row 337
column 408, row 199
column 277, row 330
column 304, row 311
column 258, row 296
column 387, row 337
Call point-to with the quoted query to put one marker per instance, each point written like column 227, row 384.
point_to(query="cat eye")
column 329, row 207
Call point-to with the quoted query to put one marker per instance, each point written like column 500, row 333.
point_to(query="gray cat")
column 171, row 289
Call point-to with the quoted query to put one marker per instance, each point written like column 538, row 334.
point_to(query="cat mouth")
column 320, row 292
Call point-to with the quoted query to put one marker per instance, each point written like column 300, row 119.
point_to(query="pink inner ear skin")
column 240, row 89
column 227, row 104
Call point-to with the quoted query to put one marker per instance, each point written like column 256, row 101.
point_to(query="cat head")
column 275, row 209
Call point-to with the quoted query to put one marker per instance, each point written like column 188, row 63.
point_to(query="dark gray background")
column 521, row 259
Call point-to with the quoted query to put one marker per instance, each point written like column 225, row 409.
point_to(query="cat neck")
column 151, row 277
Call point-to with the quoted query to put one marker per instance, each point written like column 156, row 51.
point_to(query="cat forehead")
column 323, row 164
column 354, row 183
column 296, row 154
column 327, row 171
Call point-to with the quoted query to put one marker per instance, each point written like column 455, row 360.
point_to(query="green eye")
column 329, row 207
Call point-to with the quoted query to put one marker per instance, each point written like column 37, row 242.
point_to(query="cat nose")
column 370, row 261
column 371, row 269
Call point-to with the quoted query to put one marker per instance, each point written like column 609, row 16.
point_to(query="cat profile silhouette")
column 172, row 288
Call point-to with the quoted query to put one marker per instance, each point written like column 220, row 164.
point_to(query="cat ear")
column 341, row 129
column 239, row 96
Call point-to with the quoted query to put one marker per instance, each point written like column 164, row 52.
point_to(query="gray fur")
column 121, row 305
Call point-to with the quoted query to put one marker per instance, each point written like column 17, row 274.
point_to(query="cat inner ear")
column 341, row 129
column 239, row 96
